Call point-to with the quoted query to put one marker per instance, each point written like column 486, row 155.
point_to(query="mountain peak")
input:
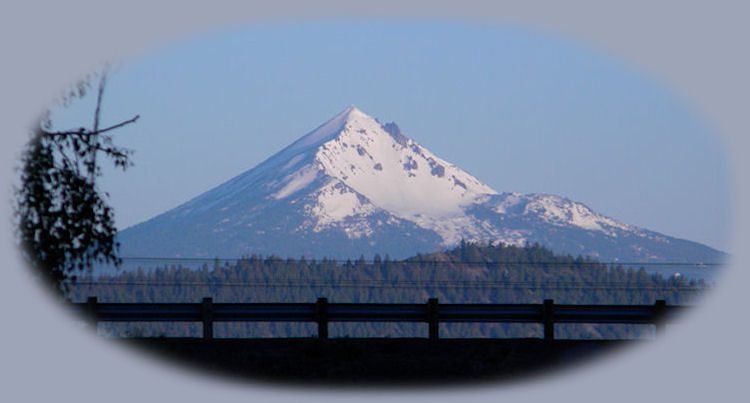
column 353, row 116
column 351, row 109
column 360, row 121
column 328, row 130
column 353, row 185
column 347, row 113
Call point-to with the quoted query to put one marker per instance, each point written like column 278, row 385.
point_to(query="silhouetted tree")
column 62, row 220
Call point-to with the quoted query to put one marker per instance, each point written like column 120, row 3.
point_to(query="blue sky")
column 519, row 110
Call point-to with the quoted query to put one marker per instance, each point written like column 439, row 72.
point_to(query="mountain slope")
column 355, row 186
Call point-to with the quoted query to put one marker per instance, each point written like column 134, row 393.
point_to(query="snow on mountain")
column 392, row 173
column 354, row 185
column 557, row 210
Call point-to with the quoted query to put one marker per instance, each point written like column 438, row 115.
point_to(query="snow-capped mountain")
column 355, row 186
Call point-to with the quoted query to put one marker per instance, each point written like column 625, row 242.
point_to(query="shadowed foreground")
column 409, row 361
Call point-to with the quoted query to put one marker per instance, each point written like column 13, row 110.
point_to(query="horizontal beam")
column 365, row 312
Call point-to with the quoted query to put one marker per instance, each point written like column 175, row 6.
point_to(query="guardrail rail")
column 322, row 312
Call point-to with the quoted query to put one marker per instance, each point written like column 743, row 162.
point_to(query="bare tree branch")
column 83, row 132
column 63, row 222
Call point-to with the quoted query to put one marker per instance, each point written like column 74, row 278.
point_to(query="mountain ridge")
column 355, row 186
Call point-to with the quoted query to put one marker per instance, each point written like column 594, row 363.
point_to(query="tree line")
column 468, row 273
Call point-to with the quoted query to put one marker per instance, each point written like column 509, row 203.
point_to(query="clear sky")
column 519, row 110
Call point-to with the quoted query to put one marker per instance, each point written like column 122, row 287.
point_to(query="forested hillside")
column 470, row 273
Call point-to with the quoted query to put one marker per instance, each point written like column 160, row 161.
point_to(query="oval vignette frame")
column 740, row 258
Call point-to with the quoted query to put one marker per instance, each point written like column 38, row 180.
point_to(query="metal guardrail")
column 432, row 313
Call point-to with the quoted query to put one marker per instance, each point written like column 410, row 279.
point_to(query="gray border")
column 697, row 49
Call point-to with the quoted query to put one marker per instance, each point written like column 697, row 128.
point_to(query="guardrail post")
column 207, row 311
column 548, row 319
column 433, row 319
column 660, row 308
column 92, row 311
column 321, row 315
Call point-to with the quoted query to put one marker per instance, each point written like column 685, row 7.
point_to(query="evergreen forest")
column 469, row 273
